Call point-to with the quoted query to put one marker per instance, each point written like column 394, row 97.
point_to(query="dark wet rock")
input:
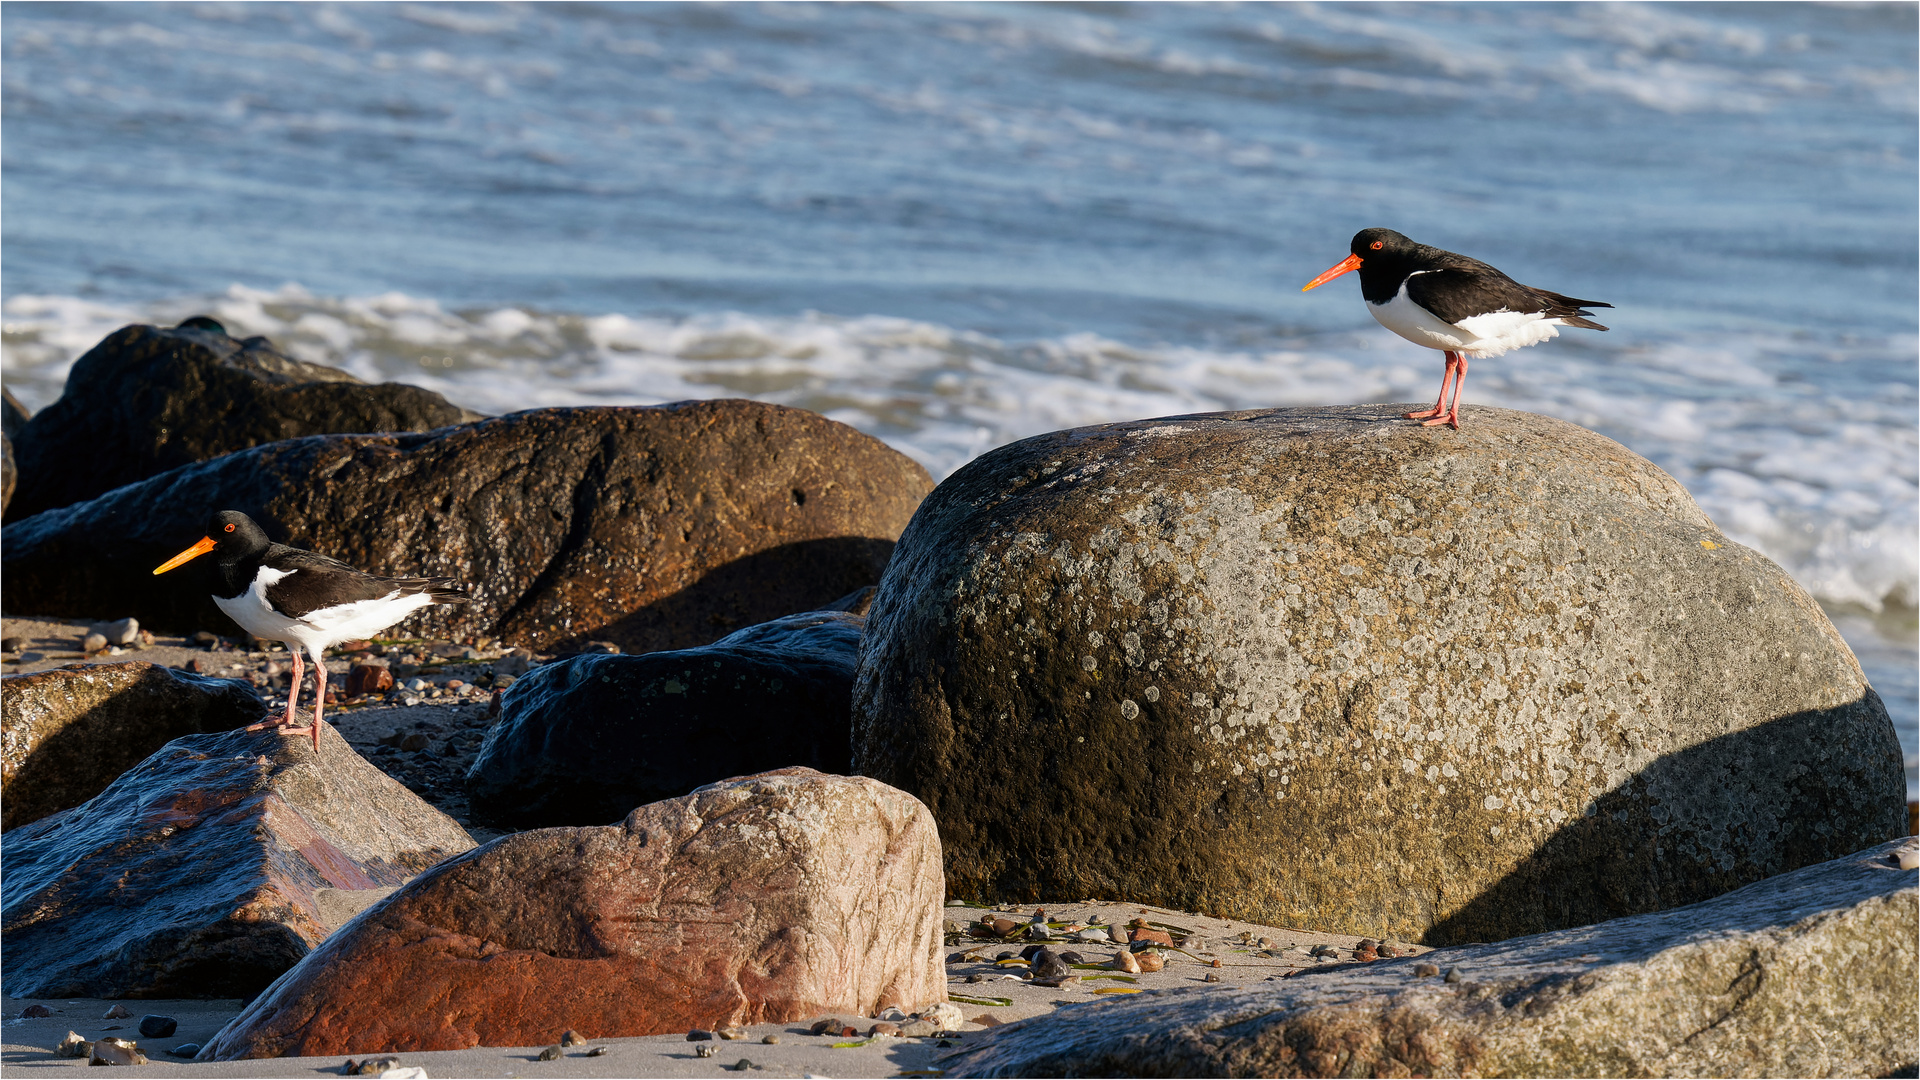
column 116, row 1011
column 1513, row 668
column 195, row 873
column 572, row 1038
column 1811, row 973
column 35, row 1011
column 148, row 399
column 66, row 733
column 584, row 740
column 368, row 679
column 155, row 1026
column 184, row 1050
column 699, row 1035
column 551, row 1053
column 764, row 899
column 661, row 527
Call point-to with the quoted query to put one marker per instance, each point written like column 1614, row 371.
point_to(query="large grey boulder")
column 1322, row 667
column 149, row 398
column 1811, row 973
column 66, row 733
column 205, row 871
column 585, row 740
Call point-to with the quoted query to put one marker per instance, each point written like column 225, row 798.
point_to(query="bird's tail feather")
column 443, row 590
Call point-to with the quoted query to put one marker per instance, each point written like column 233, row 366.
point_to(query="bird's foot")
column 1452, row 420
column 1430, row 413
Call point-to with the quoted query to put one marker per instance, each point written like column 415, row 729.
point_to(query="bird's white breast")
column 1477, row 337
column 320, row 629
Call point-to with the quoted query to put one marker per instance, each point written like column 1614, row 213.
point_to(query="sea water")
column 956, row 225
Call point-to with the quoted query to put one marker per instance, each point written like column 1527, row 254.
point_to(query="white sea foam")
column 1824, row 484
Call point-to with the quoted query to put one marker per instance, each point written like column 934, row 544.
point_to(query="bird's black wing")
column 314, row 581
column 1461, row 292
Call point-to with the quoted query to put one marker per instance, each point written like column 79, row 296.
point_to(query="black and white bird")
column 303, row 598
column 1450, row 302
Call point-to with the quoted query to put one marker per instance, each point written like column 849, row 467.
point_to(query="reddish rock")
column 196, row 873
column 148, row 399
column 1148, row 933
column 368, row 679
column 762, row 899
column 65, row 734
column 660, row 527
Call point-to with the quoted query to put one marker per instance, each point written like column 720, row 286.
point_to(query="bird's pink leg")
column 319, row 696
column 1452, row 419
column 293, row 692
column 1439, row 406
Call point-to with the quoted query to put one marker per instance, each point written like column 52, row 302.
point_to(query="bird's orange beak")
column 205, row 545
column 1351, row 262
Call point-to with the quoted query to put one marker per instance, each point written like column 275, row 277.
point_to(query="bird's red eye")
column 1378, row 244
column 229, row 527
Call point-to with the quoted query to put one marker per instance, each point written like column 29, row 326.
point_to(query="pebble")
column 606, row 647
column 205, row 639
column 731, row 1034
column 32, row 1011
column 1366, row 953
column 368, row 679
column 743, row 1065
column 1125, row 961
column 1093, row 933
column 414, row 741
column 372, row 1066
column 1047, row 964
column 884, row 1027
column 13, row 644
column 1211, row 977
column 1150, row 961
column 1003, row 926
column 1072, row 957
column 118, row 632
column 1217, row 963
column 828, row 1026
column 770, row 1040
column 112, row 1051
column 598, row 1051
column 74, row 1046
column 551, row 1053
column 1909, row 858
column 418, row 684
column 705, row 1050
column 117, row 1012
column 976, row 978
column 93, row 643
column 184, row 1050
column 1324, row 950
column 155, row 1026
column 572, row 1038
column 1453, row 975
column 891, row 1012
column 1422, row 971
column 697, row 1035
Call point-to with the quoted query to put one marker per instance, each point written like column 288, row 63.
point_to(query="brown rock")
column 763, row 899
column 368, row 679
column 551, row 1053
column 1278, row 603
column 662, row 527
column 884, row 1027
column 1146, row 933
column 1150, row 961
column 1125, row 961
column 65, row 734
column 35, row 1011
column 195, row 873
column 573, row 1038
column 200, row 394
column 1811, row 973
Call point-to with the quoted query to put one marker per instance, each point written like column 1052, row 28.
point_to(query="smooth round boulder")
column 585, row 740
column 1324, row 667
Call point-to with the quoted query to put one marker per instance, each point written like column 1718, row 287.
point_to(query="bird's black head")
column 1381, row 243
column 229, row 532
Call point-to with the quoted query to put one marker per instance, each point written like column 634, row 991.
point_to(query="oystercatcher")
column 1449, row 302
column 303, row 598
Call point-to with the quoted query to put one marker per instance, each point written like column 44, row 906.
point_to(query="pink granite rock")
column 760, row 899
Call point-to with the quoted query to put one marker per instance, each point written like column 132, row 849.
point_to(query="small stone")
column 1453, row 975
column 598, row 1051
column 1008, row 955
column 372, row 1066
column 74, row 1046
column 1365, row 953
column 1150, row 961
column 93, row 643
column 1093, row 933
column 409, row 700
column 884, row 1028
column 743, row 1065
column 1909, row 858
column 829, row 1026
column 118, row 632
column 1148, row 933
column 601, row 647
column 1124, row 961
column 770, row 1040
column 112, row 1051
column 144, row 640
column 1072, row 957
column 551, row 1053
column 1211, row 977
column 1047, row 964
column 365, row 679
column 920, row 1029
column 33, row 1011
column 572, row 1038
column 1217, row 963
column 1003, row 926
column 731, row 1034
column 418, row 684
column 414, row 741
column 1422, row 971
column 1324, row 950
column 205, row 639
column 455, row 686
column 155, row 1026
column 117, row 1012
column 13, row 644
column 705, row 1050
column 696, row 1035
column 184, row 1050
column 515, row 662
column 1387, row 950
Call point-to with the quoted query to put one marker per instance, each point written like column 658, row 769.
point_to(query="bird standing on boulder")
column 1450, row 302
column 303, row 598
